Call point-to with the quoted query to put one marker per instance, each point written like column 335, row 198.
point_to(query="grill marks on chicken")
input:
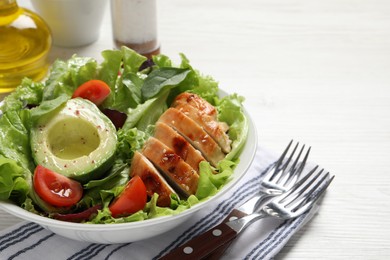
column 199, row 138
column 217, row 130
column 179, row 145
column 185, row 135
column 178, row 173
column 152, row 179
column 197, row 102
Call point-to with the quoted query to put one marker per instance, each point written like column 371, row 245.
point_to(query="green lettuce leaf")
column 206, row 187
column 110, row 67
column 155, row 211
column 14, row 137
column 231, row 111
column 132, row 61
column 104, row 190
column 66, row 76
column 28, row 93
column 126, row 93
column 147, row 113
column 104, row 217
column 161, row 80
column 211, row 180
column 47, row 107
column 13, row 184
column 162, row 61
column 125, row 89
column 129, row 141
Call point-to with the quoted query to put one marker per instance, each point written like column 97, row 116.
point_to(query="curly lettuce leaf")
column 231, row 111
column 109, row 68
column 14, row 137
column 66, row 76
column 104, row 217
column 129, row 141
column 177, row 206
column 132, row 61
column 209, row 181
column 13, row 184
column 28, row 93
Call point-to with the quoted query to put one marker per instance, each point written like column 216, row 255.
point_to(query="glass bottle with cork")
column 25, row 41
column 134, row 24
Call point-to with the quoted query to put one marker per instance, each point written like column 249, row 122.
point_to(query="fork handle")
column 202, row 245
column 217, row 253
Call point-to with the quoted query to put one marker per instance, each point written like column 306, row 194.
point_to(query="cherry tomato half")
column 55, row 188
column 132, row 199
column 94, row 90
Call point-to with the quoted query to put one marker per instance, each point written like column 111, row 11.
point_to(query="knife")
column 246, row 209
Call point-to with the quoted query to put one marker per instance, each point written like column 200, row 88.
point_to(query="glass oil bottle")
column 25, row 41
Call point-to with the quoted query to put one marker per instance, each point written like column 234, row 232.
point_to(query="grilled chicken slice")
column 194, row 133
column 179, row 145
column 177, row 172
column 217, row 130
column 152, row 179
column 197, row 102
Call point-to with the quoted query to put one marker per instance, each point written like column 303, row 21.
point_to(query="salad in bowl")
column 124, row 141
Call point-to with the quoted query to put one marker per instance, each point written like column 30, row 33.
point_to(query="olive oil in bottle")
column 25, row 41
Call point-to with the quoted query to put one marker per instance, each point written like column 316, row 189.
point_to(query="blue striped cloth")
column 262, row 240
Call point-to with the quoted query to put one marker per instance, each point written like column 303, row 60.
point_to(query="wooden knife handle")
column 217, row 253
column 204, row 244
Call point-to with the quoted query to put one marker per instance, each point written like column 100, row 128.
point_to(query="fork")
column 291, row 204
column 279, row 178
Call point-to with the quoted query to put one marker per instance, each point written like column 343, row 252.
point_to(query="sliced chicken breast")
column 197, row 102
column 217, row 130
column 179, row 145
column 188, row 128
column 152, row 179
column 176, row 171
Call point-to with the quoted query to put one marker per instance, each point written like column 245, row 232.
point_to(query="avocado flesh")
column 77, row 141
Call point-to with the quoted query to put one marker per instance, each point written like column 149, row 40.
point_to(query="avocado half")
column 77, row 141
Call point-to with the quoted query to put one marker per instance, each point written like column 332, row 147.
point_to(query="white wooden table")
column 316, row 71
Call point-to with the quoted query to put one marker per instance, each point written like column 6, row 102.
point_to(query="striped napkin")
column 262, row 240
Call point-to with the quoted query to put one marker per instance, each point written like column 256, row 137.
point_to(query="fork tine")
column 276, row 168
column 306, row 194
column 311, row 198
column 296, row 169
column 290, row 157
column 317, row 191
column 295, row 191
column 301, row 193
column 281, row 158
column 303, row 163
column 282, row 164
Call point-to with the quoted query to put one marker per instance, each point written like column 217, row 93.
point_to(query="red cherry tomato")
column 94, row 90
column 55, row 188
column 132, row 199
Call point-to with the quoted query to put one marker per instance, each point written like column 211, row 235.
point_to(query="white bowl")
column 134, row 231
